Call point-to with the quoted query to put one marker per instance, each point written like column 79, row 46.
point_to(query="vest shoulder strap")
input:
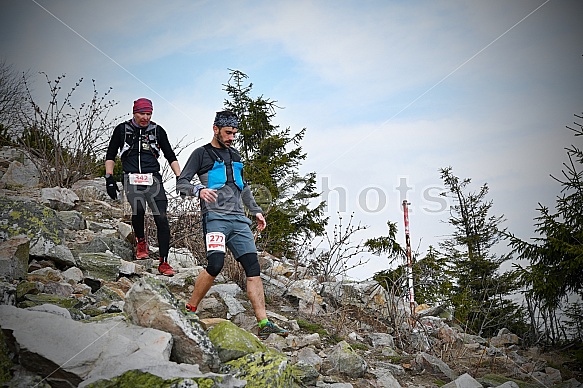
column 210, row 150
column 216, row 157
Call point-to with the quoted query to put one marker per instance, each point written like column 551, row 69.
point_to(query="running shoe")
column 142, row 248
column 271, row 328
column 165, row 269
column 191, row 313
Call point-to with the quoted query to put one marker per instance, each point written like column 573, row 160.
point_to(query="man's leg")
column 158, row 203
column 205, row 279
column 257, row 297
column 204, row 282
column 137, row 202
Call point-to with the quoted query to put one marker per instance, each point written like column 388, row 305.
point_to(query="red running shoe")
column 142, row 248
column 165, row 269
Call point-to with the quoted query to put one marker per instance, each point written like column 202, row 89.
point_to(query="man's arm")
column 109, row 165
column 167, row 148
column 254, row 208
column 175, row 166
column 112, row 149
column 191, row 168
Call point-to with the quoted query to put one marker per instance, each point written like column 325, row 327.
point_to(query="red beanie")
column 143, row 105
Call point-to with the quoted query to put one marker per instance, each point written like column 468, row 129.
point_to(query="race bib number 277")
column 215, row 241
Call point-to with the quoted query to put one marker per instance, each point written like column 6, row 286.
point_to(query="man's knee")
column 216, row 260
column 162, row 223
column 250, row 264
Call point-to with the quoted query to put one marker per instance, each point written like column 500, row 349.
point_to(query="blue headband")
column 222, row 120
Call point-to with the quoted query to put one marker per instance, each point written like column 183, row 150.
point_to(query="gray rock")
column 72, row 219
column 59, row 198
column 14, row 258
column 229, row 293
column 385, row 379
column 51, row 308
column 72, row 275
column 150, row 304
column 64, row 350
column 308, row 355
column 20, row 176
column 306, row 373
column 508, row 384
column 107, row 244
column 47, row 249
column 465, row 381
column 99, row 266
column 90, row 190
column 346, row 361
column 381, row 340
column 434, row 365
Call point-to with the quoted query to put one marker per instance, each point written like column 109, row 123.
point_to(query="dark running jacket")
column 141, row 157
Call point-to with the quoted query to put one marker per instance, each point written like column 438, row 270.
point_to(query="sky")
column 389, row 91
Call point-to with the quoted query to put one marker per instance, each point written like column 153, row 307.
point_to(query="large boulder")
column 262, row 369
column 149, row 303
column 40, row 224
column 68, row 352
column 232, row 342
column 20, row 175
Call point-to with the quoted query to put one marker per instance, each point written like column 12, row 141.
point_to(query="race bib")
column 215, row 241
column 141, row 179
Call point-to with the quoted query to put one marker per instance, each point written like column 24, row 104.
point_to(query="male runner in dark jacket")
column 140, row 141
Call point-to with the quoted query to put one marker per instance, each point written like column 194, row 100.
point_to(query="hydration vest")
column 149, row 139
column 217, row 175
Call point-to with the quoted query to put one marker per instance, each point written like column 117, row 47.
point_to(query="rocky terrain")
column 78, row 310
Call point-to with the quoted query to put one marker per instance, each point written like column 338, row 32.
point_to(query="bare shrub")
column 67, row 142
column 331, row 255
column 12, row 98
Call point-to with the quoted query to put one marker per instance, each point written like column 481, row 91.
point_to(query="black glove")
column 111, row 186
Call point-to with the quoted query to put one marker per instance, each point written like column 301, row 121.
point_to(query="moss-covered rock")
column 99, row 265
column 5, row 361
column 305, row 373
column 233, row 342
column 135, row 379
column 92, row 311
column 493, row 380
column 27, row 288
column 262, row 369
column 31, row 219
column 37, row 300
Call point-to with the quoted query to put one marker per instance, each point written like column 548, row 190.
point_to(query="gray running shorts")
column 237, row 231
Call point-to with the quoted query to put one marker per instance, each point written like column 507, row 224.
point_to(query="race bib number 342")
column 215, row 241
column 141, row 179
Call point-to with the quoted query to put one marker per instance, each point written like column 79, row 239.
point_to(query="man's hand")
column 209, row 195
column 261, row 223
column 111, row 186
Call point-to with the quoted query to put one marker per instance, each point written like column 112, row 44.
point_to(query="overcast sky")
column 389, row 91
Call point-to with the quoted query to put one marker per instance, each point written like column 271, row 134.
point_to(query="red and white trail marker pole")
column 409, row 259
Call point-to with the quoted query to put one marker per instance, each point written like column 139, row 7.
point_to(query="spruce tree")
column 555, row 257
column 480, row 293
